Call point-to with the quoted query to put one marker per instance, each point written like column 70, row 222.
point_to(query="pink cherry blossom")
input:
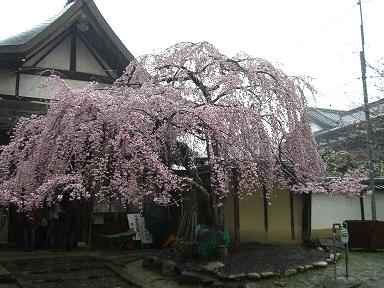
column 122, row 142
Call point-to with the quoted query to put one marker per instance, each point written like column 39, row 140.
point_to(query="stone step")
column 5, row 275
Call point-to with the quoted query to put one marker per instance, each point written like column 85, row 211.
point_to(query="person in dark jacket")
column 32, row 223
column 156, row 221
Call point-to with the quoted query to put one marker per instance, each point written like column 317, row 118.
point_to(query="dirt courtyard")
column 87, row 269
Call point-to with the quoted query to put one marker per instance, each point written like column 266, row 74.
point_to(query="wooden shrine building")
column 77, row 44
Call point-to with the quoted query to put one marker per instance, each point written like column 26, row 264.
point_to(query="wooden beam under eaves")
column 72, row 65
column 72, row 75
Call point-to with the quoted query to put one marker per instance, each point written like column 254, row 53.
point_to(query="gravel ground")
column 254, row 257
column 368, row 267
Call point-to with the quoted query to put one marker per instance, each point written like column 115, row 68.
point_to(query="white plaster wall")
column 31, row 62
column 85, row 62
column 30, row 86
column 379, row 206
column 7, row 82
column 59, row 58
column 327, row 210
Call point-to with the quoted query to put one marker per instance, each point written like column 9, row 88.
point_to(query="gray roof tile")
column 25, row 36
column 350, row 117
column 324, row 117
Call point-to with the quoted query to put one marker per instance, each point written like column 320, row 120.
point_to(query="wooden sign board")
column 136, row 222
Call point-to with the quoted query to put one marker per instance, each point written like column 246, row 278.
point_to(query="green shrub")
column 209, row 240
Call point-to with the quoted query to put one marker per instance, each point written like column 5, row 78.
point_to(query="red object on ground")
column 169, row 241
column 130, row 245
column 366, row 234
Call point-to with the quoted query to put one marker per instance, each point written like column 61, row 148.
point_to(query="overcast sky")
column 317, row 38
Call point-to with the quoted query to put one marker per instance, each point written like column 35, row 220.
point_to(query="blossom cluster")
column 122, row 142
column 87, row 145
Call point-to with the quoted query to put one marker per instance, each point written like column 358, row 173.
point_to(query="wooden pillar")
column 362, row 207
column 236, row 206
column 72, row 66
column 17, row 86
column 306, row 219
column 292, row 215
column 265, row 213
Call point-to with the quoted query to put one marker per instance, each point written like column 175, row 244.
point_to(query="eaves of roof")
column 26, row 40
column 352, row 117
column 321, row 118
column 371, row 106
column 21, row 43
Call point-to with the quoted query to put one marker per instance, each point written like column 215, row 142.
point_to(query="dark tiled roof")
column 20, row 43
column 350, row 117
column 24, row 37
column 325, row 118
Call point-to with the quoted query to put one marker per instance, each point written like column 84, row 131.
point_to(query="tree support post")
column 265, row 213
column 236, row 206
column 292, row 212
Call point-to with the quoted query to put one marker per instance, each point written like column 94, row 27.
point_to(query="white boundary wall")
column 327, row 210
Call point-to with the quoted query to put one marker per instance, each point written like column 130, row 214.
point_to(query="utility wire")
column 320, row 30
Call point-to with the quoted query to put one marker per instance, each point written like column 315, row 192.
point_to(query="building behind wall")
column 345, row 131
column 294, row 218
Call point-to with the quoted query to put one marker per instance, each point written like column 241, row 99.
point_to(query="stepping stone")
column 290, row 272
column 267, row 274
column 237, row 277
column 212, row 266
column 5, row 275
column 320, row 264
column 253, row 276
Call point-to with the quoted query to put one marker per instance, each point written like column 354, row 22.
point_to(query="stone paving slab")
column 66, row 272
column 5, row 275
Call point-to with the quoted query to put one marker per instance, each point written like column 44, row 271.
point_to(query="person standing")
column 53, row 232
column 32, row 223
